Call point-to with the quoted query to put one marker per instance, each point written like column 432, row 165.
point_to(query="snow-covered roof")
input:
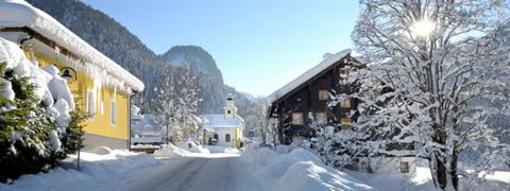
column 326, row 63
column 219, row 121
column 17, row 13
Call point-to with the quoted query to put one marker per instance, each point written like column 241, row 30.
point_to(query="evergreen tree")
column 28, row 133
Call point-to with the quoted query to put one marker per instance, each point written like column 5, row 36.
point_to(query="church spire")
column 230, row 108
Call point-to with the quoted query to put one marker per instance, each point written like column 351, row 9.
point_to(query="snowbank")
column 104, row 171
column 193, row 147
column 171, row 151
column 184, row 150
column 221, row 149
column 422, row 181
column 297, row 170
column 310, row 176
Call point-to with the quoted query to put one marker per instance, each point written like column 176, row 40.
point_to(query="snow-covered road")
column 173, row 169
column 195, row 174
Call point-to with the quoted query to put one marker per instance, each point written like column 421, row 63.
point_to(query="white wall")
column 221, row 136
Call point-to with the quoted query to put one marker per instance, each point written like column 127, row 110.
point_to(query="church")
column 225, row 129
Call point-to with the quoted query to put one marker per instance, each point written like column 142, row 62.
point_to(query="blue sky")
column 259, row 45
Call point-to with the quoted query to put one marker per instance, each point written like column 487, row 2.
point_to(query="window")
column 346, row 103
column 346, row 121
column 322, row 117
column 297, row 118
column 101, row 102
column 227, row 137
column 251, row 134
column 113, row 113
column 404, row 167
column 91, row 109
column 323, row 94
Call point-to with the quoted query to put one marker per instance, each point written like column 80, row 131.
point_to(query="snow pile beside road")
column 104, row 171
column 171, row 151
column 195, row 150
column 310, row 176
column 221, row 149
column 193, row 147
column 297, row 170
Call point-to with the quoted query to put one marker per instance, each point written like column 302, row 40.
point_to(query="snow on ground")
column 190, row 149
column 96, row 172
column 421, row 180
column 179, row 167
column 297, row 170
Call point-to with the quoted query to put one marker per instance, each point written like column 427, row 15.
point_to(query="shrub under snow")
column 38, row 124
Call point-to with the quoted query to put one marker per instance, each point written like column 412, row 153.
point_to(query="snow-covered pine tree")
column 432, row 63
column 37, row 129
column 27, row 130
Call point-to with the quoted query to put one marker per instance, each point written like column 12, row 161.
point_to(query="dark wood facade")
column 306, row 99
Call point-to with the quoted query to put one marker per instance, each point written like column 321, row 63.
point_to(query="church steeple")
column 230, row 108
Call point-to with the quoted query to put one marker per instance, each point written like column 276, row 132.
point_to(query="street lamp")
column 423, row 28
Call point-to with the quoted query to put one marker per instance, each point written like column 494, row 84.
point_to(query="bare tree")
column 164, row 105
column 188, row 124
column 432, row 65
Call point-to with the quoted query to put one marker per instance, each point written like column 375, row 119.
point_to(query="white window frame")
column 91, row 104
column 113, row 112
column 297, row 118
column 101, row 102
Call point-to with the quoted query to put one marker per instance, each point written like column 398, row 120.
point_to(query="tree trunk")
column 441, row 174
column 453, row 169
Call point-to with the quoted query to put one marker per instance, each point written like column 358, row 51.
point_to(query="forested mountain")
column 116, row 42
column 210, row 77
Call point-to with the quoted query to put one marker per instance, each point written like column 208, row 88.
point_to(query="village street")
column 195, row 173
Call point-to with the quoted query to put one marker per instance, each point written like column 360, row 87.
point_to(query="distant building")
column 100, row 87
column 225, row 129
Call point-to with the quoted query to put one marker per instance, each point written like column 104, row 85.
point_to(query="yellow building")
column 100, row 87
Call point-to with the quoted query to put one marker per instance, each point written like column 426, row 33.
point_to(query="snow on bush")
column 37, row 124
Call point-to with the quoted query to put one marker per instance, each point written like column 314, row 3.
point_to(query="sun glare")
column 422, row 28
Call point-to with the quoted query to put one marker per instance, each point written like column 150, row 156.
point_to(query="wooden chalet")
column 305, row 99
